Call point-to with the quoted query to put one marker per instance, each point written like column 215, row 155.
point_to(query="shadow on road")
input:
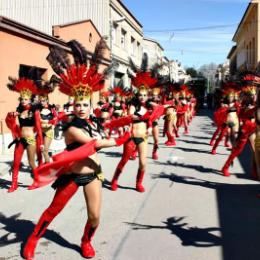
column 111, row 154
column 195, row 167
column 194, row 142
column 4, row 184
column 21, row 229
column 190, row 236
column 107, row 185
column 23, row 168
column 239, row 215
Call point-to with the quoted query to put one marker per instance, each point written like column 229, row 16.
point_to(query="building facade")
column 154, row 50
column 33, row 50
column 111, row 17
column 246, row 37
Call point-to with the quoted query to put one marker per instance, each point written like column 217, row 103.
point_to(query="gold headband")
column 26, row 93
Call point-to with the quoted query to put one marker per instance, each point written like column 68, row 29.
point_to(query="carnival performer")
column 248, row 124
column 231, row 125
column 81, row 168
column 157, row 99
column 119, row 108
column 170, row 124
column 139, row 111
column 24, row 124
column 219, row 117
column 182, row 109
column 257, row 138
column 49, row 118
column 68, row 107
column 103, row 111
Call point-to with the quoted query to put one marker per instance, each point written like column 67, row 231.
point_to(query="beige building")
column 246, row 52
column 154, row 50
column 32, row 51
column 111, row 17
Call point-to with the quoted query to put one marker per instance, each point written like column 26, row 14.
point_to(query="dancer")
column 247, row 129
column 103, row 111
column 24, row 130
column 157, row 99
column 49, row 119
column 170, row 123
column 140, row 114
column 118, row 105
column 182, row 109
column 79, row 81
column 231, row 125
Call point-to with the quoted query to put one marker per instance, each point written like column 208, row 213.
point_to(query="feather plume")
column 12, row 83
column 132, row 65
column 144, row 64
column 155, row 70
column 98, row 54
column 78, row 51
column 110, row 69
column 58, row 59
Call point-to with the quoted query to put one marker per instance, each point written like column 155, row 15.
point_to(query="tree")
column 192, row 72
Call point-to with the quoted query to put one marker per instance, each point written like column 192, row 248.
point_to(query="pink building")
column 21, row 45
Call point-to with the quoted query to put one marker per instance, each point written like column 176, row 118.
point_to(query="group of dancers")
column 237, row 121
column 123, row 116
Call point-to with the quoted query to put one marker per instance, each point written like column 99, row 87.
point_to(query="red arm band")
column 38, row 127
column 10, row 121
column 54, row 121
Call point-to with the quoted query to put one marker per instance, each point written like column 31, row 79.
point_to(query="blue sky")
column 162, row 19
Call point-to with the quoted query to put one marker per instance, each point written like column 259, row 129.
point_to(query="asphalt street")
column 188, row 212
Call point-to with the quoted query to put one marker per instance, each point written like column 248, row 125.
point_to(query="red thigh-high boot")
column 186, row 130
column 87, row 250
column 134, row 154
column 177, row 132
column 227, row 144
column 223, row 132
column 165, row 127
column 35, row 183
column 155, row 154
column 214, row 136
column 236, row 151
column 139, row 180
column 171, row 140
column 62, row 196
column 18, row 154
column 129, row 148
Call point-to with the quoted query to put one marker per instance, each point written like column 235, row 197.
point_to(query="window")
column 138, row 49
column 114, row 33
column 253, row 52
column 26, row 70
column 123, row 39
column 90, row 37
column 132, row 46
column 247, row 54
column 250, row 53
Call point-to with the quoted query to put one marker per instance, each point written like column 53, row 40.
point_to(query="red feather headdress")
column 79, row 79
column 29, row 83
column 143, row 78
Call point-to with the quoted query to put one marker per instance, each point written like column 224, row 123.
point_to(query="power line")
column 194, row 28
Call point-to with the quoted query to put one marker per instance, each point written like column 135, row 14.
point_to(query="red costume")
column 80, row 81
column 142, row 80
column 248, row 127
column 26, row 87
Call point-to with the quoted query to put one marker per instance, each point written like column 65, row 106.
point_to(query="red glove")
column 122, row 139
